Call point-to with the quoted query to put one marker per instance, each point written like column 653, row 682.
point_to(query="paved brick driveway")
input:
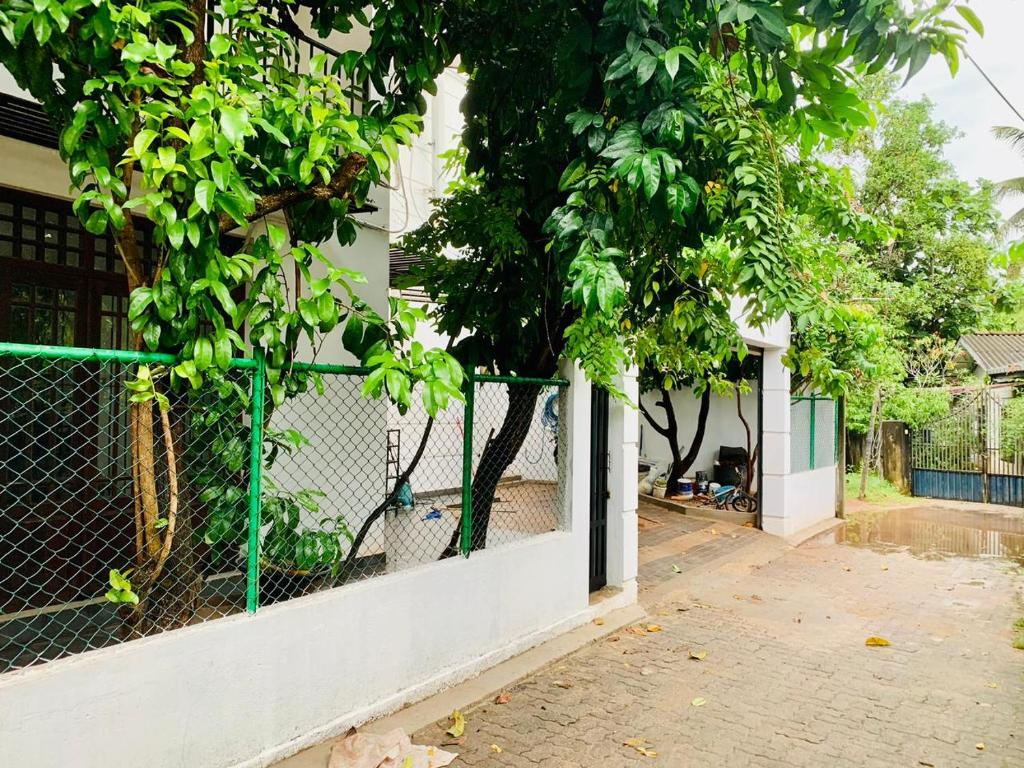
column 787, row 680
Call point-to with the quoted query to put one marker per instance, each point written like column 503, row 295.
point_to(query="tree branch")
column 663, row 431
column 338, row 187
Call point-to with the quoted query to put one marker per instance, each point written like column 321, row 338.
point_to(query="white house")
column 240, row 689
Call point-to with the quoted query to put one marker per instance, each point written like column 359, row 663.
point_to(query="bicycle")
column 735, row 497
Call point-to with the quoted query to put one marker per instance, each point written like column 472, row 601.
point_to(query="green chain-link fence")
column 239, row 504
column 813, row 433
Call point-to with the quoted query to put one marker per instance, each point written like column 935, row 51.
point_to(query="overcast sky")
column 970, row 104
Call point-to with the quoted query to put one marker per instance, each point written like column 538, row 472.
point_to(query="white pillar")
column 775, row 442
column 623, row 449
column 574, row 465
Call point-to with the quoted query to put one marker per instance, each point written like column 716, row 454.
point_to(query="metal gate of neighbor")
column 963, row 455
column 598, row 489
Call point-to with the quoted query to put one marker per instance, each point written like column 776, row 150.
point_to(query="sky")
column 971, row 105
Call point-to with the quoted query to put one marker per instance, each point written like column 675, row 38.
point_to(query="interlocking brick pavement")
column 787, row 680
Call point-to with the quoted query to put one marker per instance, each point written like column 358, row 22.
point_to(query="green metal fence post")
column 467, row 464
column 813, row 400
column 252, row 592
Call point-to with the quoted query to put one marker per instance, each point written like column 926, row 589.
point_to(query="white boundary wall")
column 248, row 690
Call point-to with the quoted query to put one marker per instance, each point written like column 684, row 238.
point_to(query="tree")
column 196, row 117
column 625, row 178
column 1014, row 187
column 929, row 270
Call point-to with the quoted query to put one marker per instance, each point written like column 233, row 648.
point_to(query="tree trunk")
column 500, row 451
column 869, row 447
column 681, row 465
column 752, row 451
column 169, row 577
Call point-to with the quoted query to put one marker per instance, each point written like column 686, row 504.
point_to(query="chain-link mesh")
column 68, row 514
column 350, row 489
column 516, row 489
column 813, row 442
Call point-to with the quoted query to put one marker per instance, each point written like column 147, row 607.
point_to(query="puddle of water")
column 937, row 532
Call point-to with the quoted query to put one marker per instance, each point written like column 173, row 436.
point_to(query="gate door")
column 966, row 456
column 598, row 489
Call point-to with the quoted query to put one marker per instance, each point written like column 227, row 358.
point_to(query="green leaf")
column 142, row 140
column 202, row 355
column 222, row 351
column 576, row 170
column 205, row 190
column 971, row 18
column 219, row 45
column 626, row 141
column 233, row 123
column 651, row 170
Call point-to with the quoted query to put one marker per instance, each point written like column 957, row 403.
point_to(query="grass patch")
column 878, row 490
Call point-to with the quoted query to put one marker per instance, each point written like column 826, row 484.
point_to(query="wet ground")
column 754, row 654
column 939, row 530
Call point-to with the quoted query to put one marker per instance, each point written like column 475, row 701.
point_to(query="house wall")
column 422, row 176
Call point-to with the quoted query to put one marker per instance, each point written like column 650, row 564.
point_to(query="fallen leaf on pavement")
column 676, row 568
column 698, row 655
column 980, row 746
column 992, row 685
column 502, row 698
column 635, row 630
column 646, row 671
column 699, row 702
column 599, row 621
column 458, row 724
column 654, row 628
column 877, row 642
column 847, row 568
column 885, row 567
column 640, row 746
column 496, row 749
column 562, row 684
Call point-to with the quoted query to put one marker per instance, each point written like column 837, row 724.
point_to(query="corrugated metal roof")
column 995, row 353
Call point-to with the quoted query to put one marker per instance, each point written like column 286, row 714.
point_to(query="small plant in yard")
column 878, row 488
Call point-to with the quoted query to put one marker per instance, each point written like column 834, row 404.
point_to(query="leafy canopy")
column 633, row 166
column 203, row 118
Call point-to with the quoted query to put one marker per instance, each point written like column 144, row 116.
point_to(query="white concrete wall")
column 810, row 499
column 246, row 690
column 723, row 427
column 773, row 336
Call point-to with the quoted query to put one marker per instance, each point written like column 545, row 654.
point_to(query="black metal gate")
column 965, row 456
column 598, row 489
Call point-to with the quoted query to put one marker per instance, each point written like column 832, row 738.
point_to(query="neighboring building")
column 997, row 357
column 249, row 689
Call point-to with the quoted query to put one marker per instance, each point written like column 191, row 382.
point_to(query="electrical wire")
column 995, row 87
